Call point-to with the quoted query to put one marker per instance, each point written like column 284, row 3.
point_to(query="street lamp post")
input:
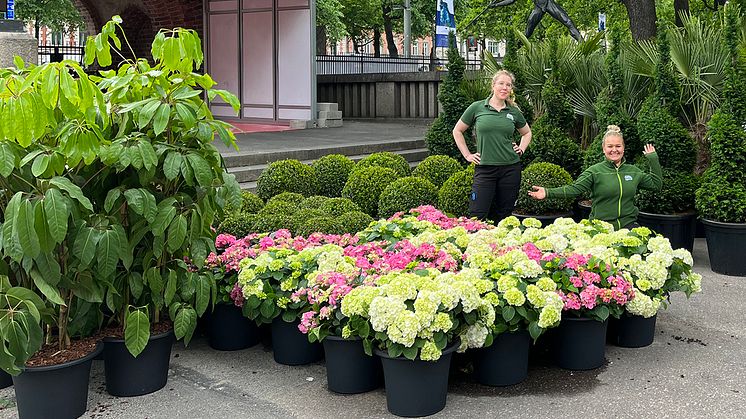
column 407, row 29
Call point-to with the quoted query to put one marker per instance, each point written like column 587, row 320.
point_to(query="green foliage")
column 406, row 193
column 338, row 206
column 279, row 207
column 287, row 176
column 313, row 202
column 250, row 202
column 439, row 139
column 326, row 225
column 364, row 187
column 675, row 147
column 332, row 172
column 329, row 16
column 437, row 169
column 720, row 200
column 676, row 196
column 299, row 218
column 552, row 145
column 292, row 197
column 547, row 175
column 727, row 147
column 667, row 88
column 239, row 224
column 453, row 197
column 354, row 221
column 271, row 222
column 387, row 159
column 559, row 113
column 58, row 15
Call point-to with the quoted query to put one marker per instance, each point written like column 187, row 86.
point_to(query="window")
column 425, row 48
column 416, row 48
column 493, row 47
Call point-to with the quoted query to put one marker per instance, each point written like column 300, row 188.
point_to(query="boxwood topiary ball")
column 287, row 176
column 326, row 225
column 364, row 187
column 269, row 223
column 354, row 221
column 279, row 207
column 251, row 203
column 547, row 175
column 238, row 224
column 406, row 193
column 338, row 206
column 437, row 169
column 675, row 197
column 386, row 159
column 292, row 197
column 313, row 202
column 303, row 215
column 453, row 197
column 332, row 172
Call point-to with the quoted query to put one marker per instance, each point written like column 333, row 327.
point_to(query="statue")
column 540, row 8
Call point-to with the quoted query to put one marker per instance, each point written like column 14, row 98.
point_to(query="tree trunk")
column 680, row 6
column 320, row 40
column 36, row 32
column 355, row 46
column 641, row 18
column 388, row 27
column 376, row 42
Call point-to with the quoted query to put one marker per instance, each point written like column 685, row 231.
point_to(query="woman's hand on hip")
column 518, row 150
column 473, row 158
column 537, row 192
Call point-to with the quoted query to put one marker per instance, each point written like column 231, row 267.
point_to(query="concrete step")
column 251, row 173
column 248, row 158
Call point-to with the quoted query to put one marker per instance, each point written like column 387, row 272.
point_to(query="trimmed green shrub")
column 332, row 172
column 287, row 176
column 354, row 221
column 547, row 175
column 675, row 147
column 406, row 193
column 386, row 159
column 313, row 202
column 676, row 196
column 269, row 223
column 292, row 197
column 364, row 187
column 552, row 145
column 239, row 224
column 437, row 169
column 453, row 197
column 326, row 225
column 721, row 200
column 279, row 207
column 559, row 112
column 250, row 202
column 338, row 206
column 299, row 218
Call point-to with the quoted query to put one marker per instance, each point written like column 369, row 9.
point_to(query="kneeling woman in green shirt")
column 497, row 175
column 612, row 184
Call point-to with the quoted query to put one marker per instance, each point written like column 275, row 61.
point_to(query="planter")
column 725, row 244
column 229, row 330
column 6, row 380
column 630, row 331
column 349, row 370
column 505, row 362
column 56, row 391
column 582, row 210
column 416, row 388
column 291, row 347
column 579, row 343
column 545, row 219
column 679, row 229
column 129, row 376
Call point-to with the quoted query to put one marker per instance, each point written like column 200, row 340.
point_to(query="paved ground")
column 695, row 368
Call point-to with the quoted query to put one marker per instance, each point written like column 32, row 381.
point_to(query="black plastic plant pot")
column 291, row 347
column 679, row 229
column 725, row 244
column 127, row 375
column 505, row 362
column 545, row 219
column 580, row 343
column 416, row 388
column 56, row 391
column 229, row 330
column 6, row 380
column 632, row 331
column 348, row 369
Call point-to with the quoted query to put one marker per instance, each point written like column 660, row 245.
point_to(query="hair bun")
column 613, row 128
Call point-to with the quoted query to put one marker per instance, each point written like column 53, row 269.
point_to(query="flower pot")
column 291, row 347
column 55, row 391
column 725, row 244
column 6, row 380
column 579, row 343
column 229, row 330
column 630, row 331
column 127, row 375
column 582, row 210
column 545, row 219
column 349, row 370
column 416, row 388
column 505, row 362
column 678, row 229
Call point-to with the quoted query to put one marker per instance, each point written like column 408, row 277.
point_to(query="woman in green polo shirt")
column 497, row 175
column 612, row 184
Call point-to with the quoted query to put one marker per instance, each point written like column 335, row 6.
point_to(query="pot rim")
column 152, row 337
column 94, row 353
column 340, row 338
column 679, row 216
column 447, row 350
column 714, row 223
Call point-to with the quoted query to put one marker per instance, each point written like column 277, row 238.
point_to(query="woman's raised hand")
column 648, row 149
column 537, row 192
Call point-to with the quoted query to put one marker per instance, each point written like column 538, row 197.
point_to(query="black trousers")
column 494, row 191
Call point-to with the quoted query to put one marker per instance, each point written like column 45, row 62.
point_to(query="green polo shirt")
column 494, row 131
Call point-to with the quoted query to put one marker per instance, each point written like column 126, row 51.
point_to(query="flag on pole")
column 445, row 22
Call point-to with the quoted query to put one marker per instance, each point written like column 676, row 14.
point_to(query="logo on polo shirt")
column 627, row 177
column 510, row 116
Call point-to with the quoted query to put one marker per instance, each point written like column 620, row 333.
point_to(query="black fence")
column 366, row 64
column 57, row 53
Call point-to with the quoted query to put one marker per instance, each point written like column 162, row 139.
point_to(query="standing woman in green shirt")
column 497, row 175
column 612, row 183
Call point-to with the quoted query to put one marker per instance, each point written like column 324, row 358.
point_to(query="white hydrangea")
column 642, row 305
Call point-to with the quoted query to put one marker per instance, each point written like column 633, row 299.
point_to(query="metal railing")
column 367, row 64
column 57, row 53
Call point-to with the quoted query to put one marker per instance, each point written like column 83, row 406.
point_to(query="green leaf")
column 166, row 214
column 17, row 340
column 202, row 170
column 288, row 316
column 48, row 290
column 7, row 159
column 73, row 190
column 534, row 330
column 24, row 232
column 49, row 268
column 136, row 332
column 171, row 53
column 84, row 247
column 185, row 323
column 202, row 294
column 161, row 118
column 135, row 282
column 111, row 199
column 185, row 92
column 147, row 153
column 57, row 213
column 155, row 283
column 267, row 308
column 602, row 312
column 176, row 233
column 187, row 114
column 41, row 163
column 107, row 252
column 172, row 164
column 508, row 313
column 87, row 289
column 147, row 111
column 170, row 287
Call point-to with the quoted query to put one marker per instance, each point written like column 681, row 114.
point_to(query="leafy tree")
column 360, row 18
column 58, row 15
column 329, row 25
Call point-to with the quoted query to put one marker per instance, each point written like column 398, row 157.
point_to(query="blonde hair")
column 613, row 130
column 511, row 100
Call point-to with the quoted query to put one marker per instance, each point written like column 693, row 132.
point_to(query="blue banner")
column 445, row 22
column 11, row 12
